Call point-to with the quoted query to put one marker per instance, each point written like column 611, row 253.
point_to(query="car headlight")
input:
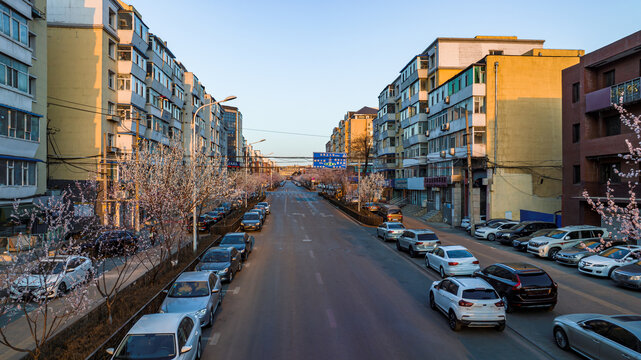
column 242, row 223
column 637, row 277
column 224, row 270
column 242, row 251
column 543, row 243
column 201, row 312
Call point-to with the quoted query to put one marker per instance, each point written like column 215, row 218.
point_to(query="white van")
column 563, row 238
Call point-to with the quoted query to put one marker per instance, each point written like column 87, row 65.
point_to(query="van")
column 391, row 213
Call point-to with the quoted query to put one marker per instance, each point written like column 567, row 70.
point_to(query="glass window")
column 480, row 294
column 598, row 326
column 187, row 289
column 4, row 121
column 153, row 346
column 32, row 173
column 459, row 254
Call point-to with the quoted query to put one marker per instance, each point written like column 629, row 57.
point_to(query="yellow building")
column 354, row 125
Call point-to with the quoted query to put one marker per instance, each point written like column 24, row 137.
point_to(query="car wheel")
column 240, row 266
column 508, row 308
column 199, row 350
column 611, row 271
column 442, row 272
column 211, row 318
column 552, row 253
column 500, row 327
column 455, row 325
column 398, row 245
column 491, row 237
column 62, row 288
column 231, row 276
column 432, row 302
column 412, row 252
column 561, row 338
column 550, row 308
column 427, row 262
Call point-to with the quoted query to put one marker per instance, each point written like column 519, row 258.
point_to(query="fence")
column 369, row 219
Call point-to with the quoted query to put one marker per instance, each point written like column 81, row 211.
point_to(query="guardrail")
column 373, row 219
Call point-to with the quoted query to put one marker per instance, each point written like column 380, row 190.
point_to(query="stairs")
column 414, row 210
column 433, row 216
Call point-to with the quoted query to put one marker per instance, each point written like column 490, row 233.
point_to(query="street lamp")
column 193, row 155
column 247, row 166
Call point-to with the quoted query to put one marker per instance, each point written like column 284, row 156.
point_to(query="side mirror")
column 110, row 351
column 585, row 326
column 215, row 290
column 165, row 291
column 185, row 349
column 567, row 237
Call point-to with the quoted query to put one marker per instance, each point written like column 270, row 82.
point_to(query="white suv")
column 468, row 301
column 563, row 238
column 489, row 232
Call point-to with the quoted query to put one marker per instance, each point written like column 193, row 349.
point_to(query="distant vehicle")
column 390, row 230
column 417, row 241
column 610, row 259
column 260, row 213
column 373, row 207
column 251, row 221
column 628, row 275
column 52, row 277
column 572, row 256
column 216, row 215
column 468, row 226
column 598, row 336
column 391, row 212
column 520, row 244
column 196, row 292
column 108, row 243
column 524, row 228
column 224, row 261
column 468, row 302
column 452, row 260
column 241, row 241
column 266, row 205
column 521, row 285
column 489, row 232
column 563, row 238
column 161, row 336
column 262, row 208
column 204, row 223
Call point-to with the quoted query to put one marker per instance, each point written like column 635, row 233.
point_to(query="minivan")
column 391, row 213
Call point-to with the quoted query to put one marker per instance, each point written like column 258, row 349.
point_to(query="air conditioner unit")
column 427, row 133
column 452, row 151
column 447, row 99
column 113, row 118
column 443, row 154
column 113, row 149
column 445, row 127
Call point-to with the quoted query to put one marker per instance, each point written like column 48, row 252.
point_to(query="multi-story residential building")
column 23, row 104
column 355, row 126
column 593, row 135
column 217, row 131
column 233, row 120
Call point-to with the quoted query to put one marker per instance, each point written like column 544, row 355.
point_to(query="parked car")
column 520, row 244
column 225, row 210
column 391, row 213
column 205, row 222
column 241, row 241
column 251, row 221
column 224, row 261
column 51, row 277
column 610, row 259
column 628, row 275
column 390, row 230
column 524, row 228
column 572, row 256
column 452, row 260
column 521, row 285
column 598, row 336
column 371, row 206
column 108, row 243
column 482, row 223
column 161, row 336
column 489, row 232
column 266, row 205
column 195, row 292
column 468, row 302
column 417, row 241
column 260, row 213
column 563, row 238
column 261, row 207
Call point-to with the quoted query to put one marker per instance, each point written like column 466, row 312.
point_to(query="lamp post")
column 247, row 166
column 193, row 155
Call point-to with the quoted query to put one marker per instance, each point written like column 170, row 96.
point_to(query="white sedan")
column 52, row 276
column 452, row 260
column 489, row 232
column 608, row 260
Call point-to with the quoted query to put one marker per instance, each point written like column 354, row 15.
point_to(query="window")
column 623, row 337
column 576, row 133
column 496, row 52
column 17, row 124
column 479, row 104
column 608, row 78
column 576, row 174
column 598, row 326
column 112, row 19
column 14, row 74
column 124, row 53
column 124, row 82
column 17, row 173
column 112, row 49
column 14, row 25
column 606, row 172
column 111, row 79
column 575, row 92
column 612, row 125
column 111, row 108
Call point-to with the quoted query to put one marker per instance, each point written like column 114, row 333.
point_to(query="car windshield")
column 147, row 346
column 556, row 234
column 233, row 240
column 507, row 226
column 49, row 267
column 216, row 256
column 614, row 253
column 185, row 289
column 427, row 237
column 536, row 279
column 519, row 227
column 395, row 226
column 394, row 211
column 495, row 225
column 262, row 203
column 252, row 216
column 587, row 245
column 458, row 254
column 480, row 294
column 542, row 232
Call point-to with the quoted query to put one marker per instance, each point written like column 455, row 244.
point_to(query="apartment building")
column 233, row 121
column 23, row 104
column 355, row 127
column 593, row 135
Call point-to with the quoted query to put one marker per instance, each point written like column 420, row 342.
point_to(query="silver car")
column 417, row 241
column 600, row 336
column 195, row 292
column 161, row 336
column 390, row 230
column 265, row 204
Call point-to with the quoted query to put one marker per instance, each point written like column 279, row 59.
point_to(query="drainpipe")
column 496, row 113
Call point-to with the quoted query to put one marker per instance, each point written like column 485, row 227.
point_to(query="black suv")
column 525, row 228
column 521, row 285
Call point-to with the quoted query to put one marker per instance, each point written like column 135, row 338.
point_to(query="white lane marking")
column 286, row 205
column 247, row 264
column 326, row 215
column 236, row 290
column 331, row 319
column 307, row 240
column 298, row 214
column 311, row 254
column 214, row 339
column 319, row 279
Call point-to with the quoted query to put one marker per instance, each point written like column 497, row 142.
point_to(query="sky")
column 299, row 66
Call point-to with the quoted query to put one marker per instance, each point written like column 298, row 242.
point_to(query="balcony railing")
column 599, row 190
column 625, row 92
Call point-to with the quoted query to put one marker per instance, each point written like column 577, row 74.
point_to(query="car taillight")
column 452, row 263
column 390, row 231
column 464, row 303
column 556, row 286
column 499, row 304
column 518, row 284
column 475, row 262
column 419, row 243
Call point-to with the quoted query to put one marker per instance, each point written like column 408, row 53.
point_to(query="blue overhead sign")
column 330, row 160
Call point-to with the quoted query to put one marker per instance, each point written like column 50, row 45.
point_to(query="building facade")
column 593, row 135
column 352, row 133
column 233, row 121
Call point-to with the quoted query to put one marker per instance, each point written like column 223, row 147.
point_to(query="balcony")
column 414, row 162
column 387, row 117
column 387, row 134
column 437, row 181
column 387, row 150
column 416, row 139
column 131, row 37
column 130, row 97
column 623, row 93
column 128, row 67
column 599, row 190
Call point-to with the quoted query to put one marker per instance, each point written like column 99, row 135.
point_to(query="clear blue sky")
column 298, row 66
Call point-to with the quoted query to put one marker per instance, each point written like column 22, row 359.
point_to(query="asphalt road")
column 320, row 286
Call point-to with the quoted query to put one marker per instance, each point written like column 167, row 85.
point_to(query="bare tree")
column 361, row 150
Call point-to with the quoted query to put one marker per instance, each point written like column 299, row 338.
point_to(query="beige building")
column 355, row 125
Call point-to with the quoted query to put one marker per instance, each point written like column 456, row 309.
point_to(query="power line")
column 285, row 132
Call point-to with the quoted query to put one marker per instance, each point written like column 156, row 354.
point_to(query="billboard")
column 329, row 160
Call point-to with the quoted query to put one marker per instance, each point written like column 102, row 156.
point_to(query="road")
column 320, row 286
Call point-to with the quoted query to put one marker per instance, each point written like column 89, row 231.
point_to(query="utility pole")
column 470, row 211
column 137, row 219
column 359, row 187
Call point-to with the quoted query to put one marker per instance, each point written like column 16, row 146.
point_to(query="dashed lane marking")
column 319, row 279
column 236, row 290
column 247, row 264
column 307, row 240
column 331, row 319
column 311, row 254
column 213, row 340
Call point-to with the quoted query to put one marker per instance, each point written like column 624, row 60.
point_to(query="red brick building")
column 593, row 135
